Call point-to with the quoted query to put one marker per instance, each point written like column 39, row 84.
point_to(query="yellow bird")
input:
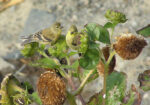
column 45, row 36
column 77, row 40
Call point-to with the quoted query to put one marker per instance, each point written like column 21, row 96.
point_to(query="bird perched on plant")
column 45, row 36
column 77, row 40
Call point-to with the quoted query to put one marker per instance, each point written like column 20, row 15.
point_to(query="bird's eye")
column 72, row 32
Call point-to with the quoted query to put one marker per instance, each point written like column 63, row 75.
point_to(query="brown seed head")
column 51, row 88
column 129, row 46
column 100, row 66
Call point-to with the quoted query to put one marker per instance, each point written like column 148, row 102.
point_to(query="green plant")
column 90, row 60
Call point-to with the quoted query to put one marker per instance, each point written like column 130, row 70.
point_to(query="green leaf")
column 59, row 49
column 98, row 32
column 45, row 63
column 116, row 86
column 109, row 25
column 74, row 66
column 72, row 53
column 30, row 49
column 96, row 99
column 144, row 31
column 36, row 98
column 90, row 59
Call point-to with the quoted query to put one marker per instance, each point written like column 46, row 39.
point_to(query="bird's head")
column 57, row 26
column 73, row 29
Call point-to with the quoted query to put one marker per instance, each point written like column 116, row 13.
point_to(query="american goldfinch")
column 45, row 36
column 77, row 40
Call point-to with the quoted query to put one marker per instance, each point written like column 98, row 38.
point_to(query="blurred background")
column 23, row 17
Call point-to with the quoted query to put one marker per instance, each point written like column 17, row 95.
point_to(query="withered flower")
column 129, row 46
column 51, row 88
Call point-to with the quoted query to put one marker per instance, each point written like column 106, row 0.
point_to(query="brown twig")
column 9, row 4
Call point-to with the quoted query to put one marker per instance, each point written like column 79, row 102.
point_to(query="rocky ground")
column 32, row 15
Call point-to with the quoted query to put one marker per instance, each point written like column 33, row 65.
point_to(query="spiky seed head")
column 115, row 16
column 51, row 88
column 100, row 66
column 129, row 46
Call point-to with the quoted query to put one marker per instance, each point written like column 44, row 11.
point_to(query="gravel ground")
column 15, row 21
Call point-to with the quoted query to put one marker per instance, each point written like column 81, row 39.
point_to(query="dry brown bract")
column 51, row 88
column 129, row 46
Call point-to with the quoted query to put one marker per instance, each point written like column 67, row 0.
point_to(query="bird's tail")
column 27, row 40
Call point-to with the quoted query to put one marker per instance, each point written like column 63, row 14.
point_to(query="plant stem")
column 112, row 32
column 105, row 83
column 70, row 81
column 83, row 83
column 112, row 53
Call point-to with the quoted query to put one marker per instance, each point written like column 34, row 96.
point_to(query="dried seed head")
column 51, row 88
column 129, row 46
column 100, row 66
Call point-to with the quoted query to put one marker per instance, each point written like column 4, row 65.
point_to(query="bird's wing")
column 33, row 38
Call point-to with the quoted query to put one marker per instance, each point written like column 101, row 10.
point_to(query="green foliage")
column 115, row 17
column 96, row 99
column 97, row 32
column 46, row 63
column 116, row 86
column 74, row 66
column 30, row 49
column 144, row 31
column 36, row 98
column 59, row 49
column 90, row 59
